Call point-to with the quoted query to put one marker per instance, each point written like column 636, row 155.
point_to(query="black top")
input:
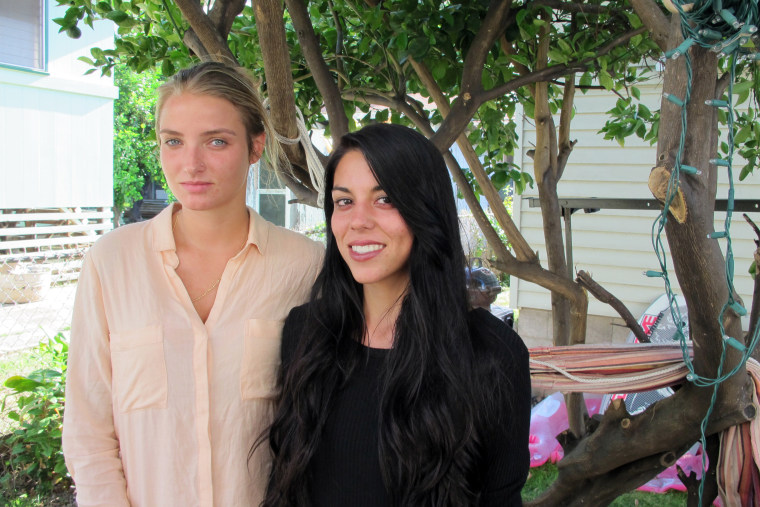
column 345, row 470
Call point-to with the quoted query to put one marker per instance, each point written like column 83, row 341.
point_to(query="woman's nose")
column 193, row 161
column 362, row 216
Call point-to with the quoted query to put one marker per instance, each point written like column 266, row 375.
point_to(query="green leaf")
column 103, row 7
column 499, row 180
column 117, row 17
column 22, row 384
column 564, row 46
column 167, row 68
column 521, row 59
column 555, row 55
column 746, row 171
column 606, row 80
column 65, row 23
column 439, row 70
column 418, row 47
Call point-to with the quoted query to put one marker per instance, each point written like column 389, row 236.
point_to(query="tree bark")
column 279, row 80
column 655, row 20
column 327, row 86
column 605, row 296
column 213, row 43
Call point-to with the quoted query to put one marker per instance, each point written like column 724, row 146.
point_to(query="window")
column 272, row 197
column 22, row 33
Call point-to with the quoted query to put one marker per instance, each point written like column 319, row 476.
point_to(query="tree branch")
column 214, row 45
column 282, row 102
column 223, row 14
column 520, row 246
column 604, row 296
column 493, row 26
column 464, row 107
column 555, row 71
column 566, row 114
column 327, row 86
column 655, row 20
column 580, row 8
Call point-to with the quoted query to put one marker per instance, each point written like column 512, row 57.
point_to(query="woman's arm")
column 90, row 445
column 506, row 442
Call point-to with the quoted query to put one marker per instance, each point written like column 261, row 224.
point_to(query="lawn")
column 541, row 477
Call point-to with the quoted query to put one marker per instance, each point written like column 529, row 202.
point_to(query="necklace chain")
column 213, row 285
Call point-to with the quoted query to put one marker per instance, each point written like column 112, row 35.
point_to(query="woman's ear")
column 257, row 147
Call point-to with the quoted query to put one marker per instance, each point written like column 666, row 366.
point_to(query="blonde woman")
column 175, row 338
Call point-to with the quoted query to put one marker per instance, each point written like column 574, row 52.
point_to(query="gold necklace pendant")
column 213, row 286
column 216, row 282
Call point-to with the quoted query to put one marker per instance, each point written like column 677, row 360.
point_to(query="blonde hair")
column 235, row 85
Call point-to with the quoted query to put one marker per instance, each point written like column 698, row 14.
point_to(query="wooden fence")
column 41, row 252
column 56, row 237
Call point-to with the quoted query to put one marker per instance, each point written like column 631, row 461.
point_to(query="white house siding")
column 615, row 246
column 56, row 126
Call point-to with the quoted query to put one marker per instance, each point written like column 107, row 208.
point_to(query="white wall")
column 615, row 246
column 56, row 127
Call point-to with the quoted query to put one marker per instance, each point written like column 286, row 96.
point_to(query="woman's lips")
column 365, row 251
column 195, row 186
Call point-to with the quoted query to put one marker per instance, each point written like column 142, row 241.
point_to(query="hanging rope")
column 722, row 26
column 316, row 171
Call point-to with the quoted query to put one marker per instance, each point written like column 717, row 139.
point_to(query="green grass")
column 20, row 363
column 61, row 500
column 541, row 478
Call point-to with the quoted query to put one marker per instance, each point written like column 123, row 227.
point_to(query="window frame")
column 43, row 43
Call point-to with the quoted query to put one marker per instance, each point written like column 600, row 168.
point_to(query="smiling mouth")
column 364, row 249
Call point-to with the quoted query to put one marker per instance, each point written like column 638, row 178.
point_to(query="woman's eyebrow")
column 214, row 132
column 377, row 188
column 211, row 132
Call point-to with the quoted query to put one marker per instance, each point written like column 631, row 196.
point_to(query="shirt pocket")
column 261, row 358
column 139, row 369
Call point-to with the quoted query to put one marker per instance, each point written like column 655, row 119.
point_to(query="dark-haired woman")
column 394, row 392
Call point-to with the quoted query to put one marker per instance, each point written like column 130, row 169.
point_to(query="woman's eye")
column 385, row 200
column 339, row 203
column 171, row 142
column 218, row 142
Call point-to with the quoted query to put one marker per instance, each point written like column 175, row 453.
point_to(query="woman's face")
column 373, row 239
column 204, row 151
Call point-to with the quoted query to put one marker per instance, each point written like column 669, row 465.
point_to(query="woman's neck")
column 382, row 306
column 211, row 230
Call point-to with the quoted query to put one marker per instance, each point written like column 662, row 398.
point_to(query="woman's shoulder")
column 116, row 241
column 293, row 329
column 293, row 241
column 494, row 337
column 298, row 313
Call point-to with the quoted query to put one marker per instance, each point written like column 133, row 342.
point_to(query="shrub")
column 31, row 459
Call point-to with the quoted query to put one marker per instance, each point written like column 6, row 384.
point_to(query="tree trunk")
column 625, row 451
column 281, row 91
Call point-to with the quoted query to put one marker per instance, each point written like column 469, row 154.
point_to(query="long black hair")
column 430, row 401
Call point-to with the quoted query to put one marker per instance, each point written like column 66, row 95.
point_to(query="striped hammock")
column 602, row 369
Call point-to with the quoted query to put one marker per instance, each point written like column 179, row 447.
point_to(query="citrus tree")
column 457, row 72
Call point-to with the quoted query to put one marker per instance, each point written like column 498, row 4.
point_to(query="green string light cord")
column 722, row 26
